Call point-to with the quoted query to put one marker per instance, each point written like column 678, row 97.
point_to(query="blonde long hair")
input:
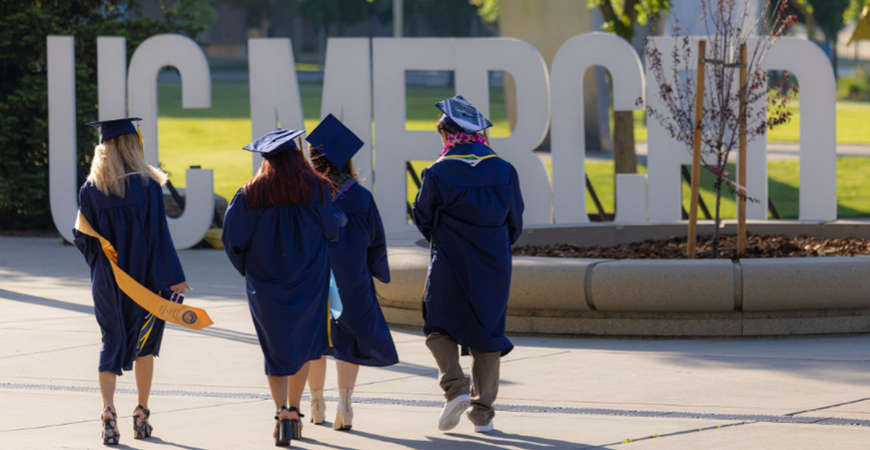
column 115, row 160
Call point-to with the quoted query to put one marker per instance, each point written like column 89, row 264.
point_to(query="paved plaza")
column 557, row 392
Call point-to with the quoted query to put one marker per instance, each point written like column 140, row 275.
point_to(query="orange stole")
column 177, row 313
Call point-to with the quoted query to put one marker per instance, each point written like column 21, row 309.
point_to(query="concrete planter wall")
column 662, row 297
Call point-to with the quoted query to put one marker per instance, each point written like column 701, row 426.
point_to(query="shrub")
column 855, row 87
column 24, row 26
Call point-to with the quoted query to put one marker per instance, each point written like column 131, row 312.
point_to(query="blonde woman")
column 122, row 200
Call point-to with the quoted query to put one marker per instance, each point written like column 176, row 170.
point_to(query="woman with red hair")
column 276, row 233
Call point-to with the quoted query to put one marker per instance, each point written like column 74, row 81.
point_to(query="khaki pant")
column 484, row 376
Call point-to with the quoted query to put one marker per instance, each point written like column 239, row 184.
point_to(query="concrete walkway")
column 210, row 393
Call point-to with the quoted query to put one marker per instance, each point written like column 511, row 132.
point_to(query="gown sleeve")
column 332, row 218
column 239, row 225
column 377, row 252
column 426, row 205
column 515, row 215
column 164, row 266
column 89, row 246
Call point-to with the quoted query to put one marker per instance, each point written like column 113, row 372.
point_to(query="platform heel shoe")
column 141, row 428
column 344, row 412
column 318, row 407
column 282, row 429
column 110, row 433
column 296, row 424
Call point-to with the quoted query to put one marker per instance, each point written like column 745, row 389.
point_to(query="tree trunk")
column 264, row 25
column 624, row 156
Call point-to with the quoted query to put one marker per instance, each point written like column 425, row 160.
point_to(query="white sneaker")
column 484, row 428
column 452, row 411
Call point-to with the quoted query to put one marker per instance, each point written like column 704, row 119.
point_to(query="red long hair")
column 285, row 178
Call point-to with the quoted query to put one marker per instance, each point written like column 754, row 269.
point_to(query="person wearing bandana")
column 470, row 209
column 358, row 333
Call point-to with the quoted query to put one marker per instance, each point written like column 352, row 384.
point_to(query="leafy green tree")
column 853, row 12
column 24, row 203
column 449, row 17
column 829, row 16
column 192, row 16
column 622, row 18
column 488, row 10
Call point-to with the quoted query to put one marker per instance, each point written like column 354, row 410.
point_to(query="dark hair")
column 324, row 167
column 447, row 125
column 285, row 178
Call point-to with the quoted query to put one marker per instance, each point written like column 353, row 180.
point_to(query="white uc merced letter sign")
column 275, row 101
column 151, row 56
column 568, row 140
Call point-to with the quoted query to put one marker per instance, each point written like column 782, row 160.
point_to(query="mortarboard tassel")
column 139, row 134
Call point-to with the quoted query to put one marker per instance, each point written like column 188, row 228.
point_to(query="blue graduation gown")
column 283, row 254
column 136, row 226
column 471, row 214
column 360, row 335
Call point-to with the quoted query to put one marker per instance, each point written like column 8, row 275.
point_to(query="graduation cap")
column 464, row 114
column 337, row 143
column 274, row 142
column 110, row 129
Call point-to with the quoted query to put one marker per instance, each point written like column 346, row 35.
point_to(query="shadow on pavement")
column 157, row 440
column 496, row 439
column 42, row 301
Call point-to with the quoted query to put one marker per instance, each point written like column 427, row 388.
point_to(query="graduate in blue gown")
column 358, row 332
column 470, row 210
column 122, row 199
column 276, row 233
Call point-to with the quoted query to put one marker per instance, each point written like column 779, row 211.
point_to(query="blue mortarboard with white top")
column 464, row 114
column 274, row 142
column 110, row 129
column 337, row 143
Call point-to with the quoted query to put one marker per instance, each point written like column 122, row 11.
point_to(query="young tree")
column 729, row 28
column 622, row 17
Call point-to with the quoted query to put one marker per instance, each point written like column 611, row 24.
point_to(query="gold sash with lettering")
column 177, row 313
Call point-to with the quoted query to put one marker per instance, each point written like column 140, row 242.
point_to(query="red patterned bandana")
column 463, row 138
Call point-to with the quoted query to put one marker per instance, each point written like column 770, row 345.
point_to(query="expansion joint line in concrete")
column 738, row 289
column 746, row 422
column 678, row 433
column 791, row 418
column 587, row 285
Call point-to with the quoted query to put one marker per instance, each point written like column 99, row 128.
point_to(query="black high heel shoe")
column 141, row 428
column 296, row 424
column 282, row 429
column 110, row 433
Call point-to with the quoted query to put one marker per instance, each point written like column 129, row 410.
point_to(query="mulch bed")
column 675, row 248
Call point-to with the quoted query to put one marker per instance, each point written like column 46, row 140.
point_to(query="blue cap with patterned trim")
column 337, row 143
column 464, row 114
column 110, row 129
column 274, row 142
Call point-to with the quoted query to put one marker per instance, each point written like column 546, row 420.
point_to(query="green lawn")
column 213, row 138
column 852, row 120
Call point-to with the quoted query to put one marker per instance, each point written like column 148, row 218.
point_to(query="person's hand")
column 180, row 288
